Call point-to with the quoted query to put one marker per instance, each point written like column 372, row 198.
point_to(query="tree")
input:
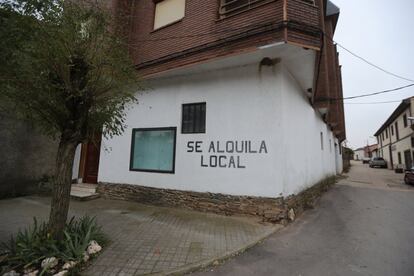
column 66, row 68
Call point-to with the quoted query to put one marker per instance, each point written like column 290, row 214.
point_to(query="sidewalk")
column 145, row 239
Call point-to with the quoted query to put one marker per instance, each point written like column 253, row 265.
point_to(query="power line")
column 367, row 95
column 367, row 61
column 378, row 102
column 379, row 92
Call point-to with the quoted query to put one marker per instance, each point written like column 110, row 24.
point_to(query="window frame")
column 156, row 2
column 405, row 120
column 321, row 138
column 131, row 159
column 397, row 133
column 251, row 4
column 205, row 118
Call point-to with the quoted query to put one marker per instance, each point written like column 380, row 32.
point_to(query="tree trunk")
column 61, row 187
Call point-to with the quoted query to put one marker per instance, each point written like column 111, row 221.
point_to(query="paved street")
column 146, row 239
column 363, row 226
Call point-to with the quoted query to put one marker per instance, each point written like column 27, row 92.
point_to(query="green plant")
column 32, row 245
column 86, row 225
column 75, row 81
column 78, row 234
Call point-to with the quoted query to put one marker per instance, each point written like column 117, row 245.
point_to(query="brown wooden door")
column 93, row 150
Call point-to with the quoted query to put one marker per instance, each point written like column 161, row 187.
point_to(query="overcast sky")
column 382, row 32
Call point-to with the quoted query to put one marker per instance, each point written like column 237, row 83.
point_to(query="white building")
column 359, row 153
column 396, row 136
column 237, row 132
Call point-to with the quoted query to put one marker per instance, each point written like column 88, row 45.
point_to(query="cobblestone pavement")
column 145, row 239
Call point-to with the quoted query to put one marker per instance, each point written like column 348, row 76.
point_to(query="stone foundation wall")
column 269, row 209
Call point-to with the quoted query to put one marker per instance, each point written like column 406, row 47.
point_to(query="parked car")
column 409, row 176
column 366, row 160
column 378, row 162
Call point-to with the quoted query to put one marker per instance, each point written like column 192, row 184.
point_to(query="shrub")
column 32, row 245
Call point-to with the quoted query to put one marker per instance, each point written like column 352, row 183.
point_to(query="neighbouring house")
column 371, row 150
column 396, row 136
column 359, row 153
column 366, row 152
column 245, row 106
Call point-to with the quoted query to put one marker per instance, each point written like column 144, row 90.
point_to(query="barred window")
column 311, row 2
column 229, row 7
column 194, row 118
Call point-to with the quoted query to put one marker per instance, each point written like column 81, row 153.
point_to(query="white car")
column 378, row 162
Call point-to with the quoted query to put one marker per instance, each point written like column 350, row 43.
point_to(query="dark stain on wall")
column 25, row 157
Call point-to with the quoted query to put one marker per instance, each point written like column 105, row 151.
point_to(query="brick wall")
column 202, row 34
column 328, row 87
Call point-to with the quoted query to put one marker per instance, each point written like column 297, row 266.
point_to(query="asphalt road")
column 363, row 226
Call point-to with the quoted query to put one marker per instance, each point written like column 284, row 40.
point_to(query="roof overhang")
column 397, row 112
column 332, row 11
column 299, row 61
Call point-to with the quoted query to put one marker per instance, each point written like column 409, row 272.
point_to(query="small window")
column 405, row 120
column 399, row 158
column 321, row 141
column 392, row 130
column 311, row 2
column 386, row 133
column 153, row 150
column 194, row 118
column 397, row 134
column 168, row 11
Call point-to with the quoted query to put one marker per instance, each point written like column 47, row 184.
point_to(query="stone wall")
column 269, row 209
column 26, row 157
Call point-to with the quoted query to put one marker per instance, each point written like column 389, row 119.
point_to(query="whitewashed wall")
column 243, row 103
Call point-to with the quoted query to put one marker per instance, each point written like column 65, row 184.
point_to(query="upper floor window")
column 405, row 120
column 229, row 7
column 321, row 135
column 168, row 12
column 392, row 130
column 311, row 2
column 194, row 118
column 386, row 133
column 396, row 131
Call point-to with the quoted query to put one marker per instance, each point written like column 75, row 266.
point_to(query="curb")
column 227, row 255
